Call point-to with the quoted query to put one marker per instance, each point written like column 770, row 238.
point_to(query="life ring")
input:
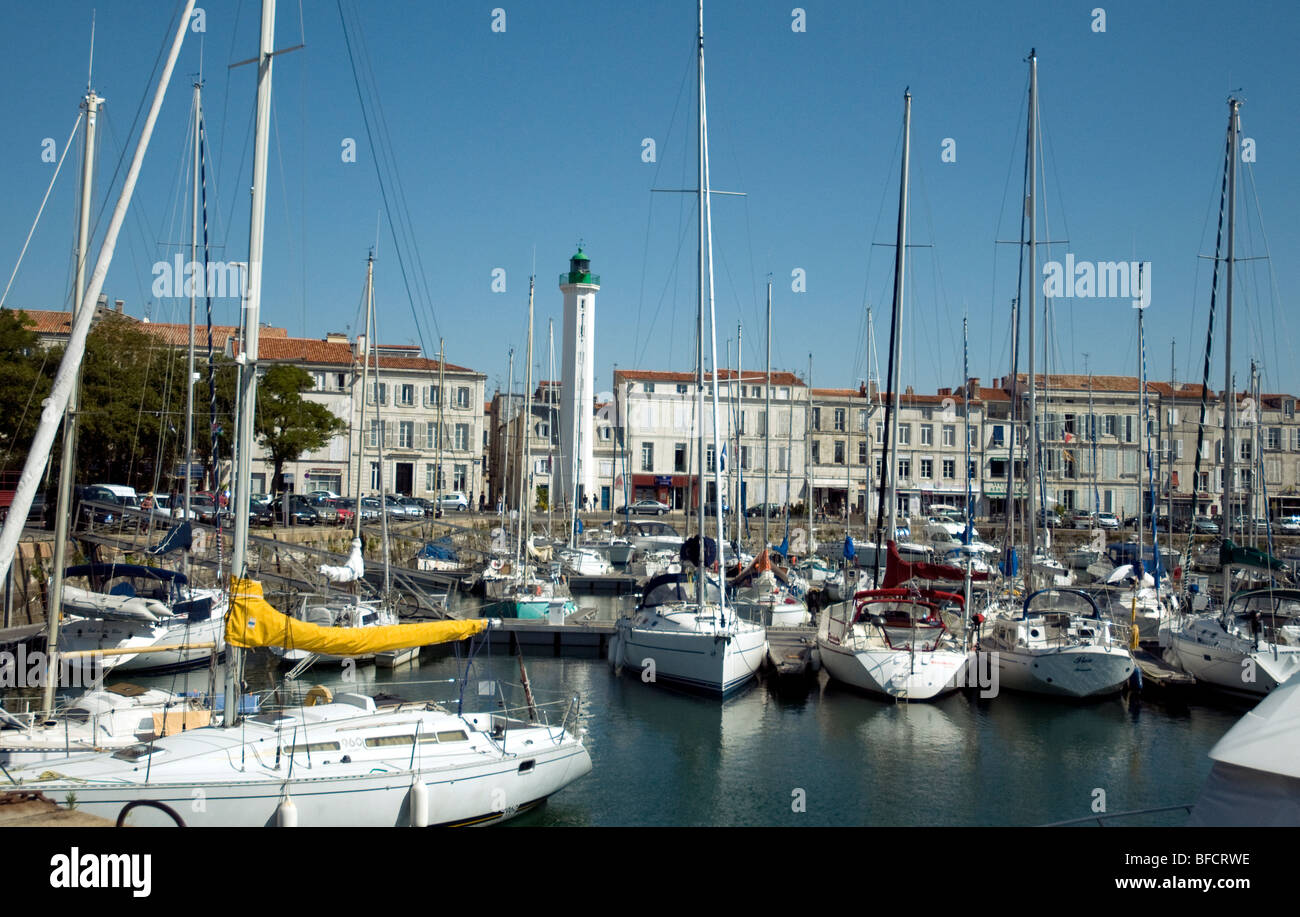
column 319, row 694
column 496, row 563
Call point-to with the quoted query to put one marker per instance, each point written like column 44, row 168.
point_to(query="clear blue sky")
column 531, row 139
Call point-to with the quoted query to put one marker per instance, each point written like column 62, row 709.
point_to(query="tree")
column 25, row 380
column 287, row 424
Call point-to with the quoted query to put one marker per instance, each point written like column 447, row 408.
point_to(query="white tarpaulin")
column 353, row 570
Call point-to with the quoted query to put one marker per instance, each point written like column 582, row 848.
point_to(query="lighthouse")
column 577, row 383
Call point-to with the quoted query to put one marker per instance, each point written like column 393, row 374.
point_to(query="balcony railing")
column 580, row 277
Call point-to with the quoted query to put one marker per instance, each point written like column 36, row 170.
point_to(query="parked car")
column 454, row 500
column 112, row 501
column 1243, row 524
column 370, row 509
column 1289, row 525
column 1108, row 521
column 300, row 511
column 1205, row 525
column 771, row 510
column 1081, row 519
column 346, row 509
column 1048, row 518
column 328, row 514
column 646, row 508
column 415, row 506
column 395, row 505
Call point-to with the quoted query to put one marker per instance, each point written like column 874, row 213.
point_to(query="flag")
column 722, row 461
column 1069, row 437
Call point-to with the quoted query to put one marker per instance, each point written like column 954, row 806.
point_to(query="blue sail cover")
column 849, row 551
column 691, row 551
column 439, row 550
column 1010, row 564
column 178, row 537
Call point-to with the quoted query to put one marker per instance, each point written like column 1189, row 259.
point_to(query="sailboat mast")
column 807, row 455
column 442, row 430
column 365, row 394
column 550, row 428
column 699, row 331
column 767, row 424
column 509, row 447
column 526, row 424
column 248, row 354
column 1142, row 432
column 1031, row 202
column 68, row 461
column 1230, row 396
column 900, row 264
column 189, row 378
column 740, row 424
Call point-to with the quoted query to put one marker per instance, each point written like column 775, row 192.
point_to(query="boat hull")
column 716, row 664
column 1079, row 672
column 896, row 674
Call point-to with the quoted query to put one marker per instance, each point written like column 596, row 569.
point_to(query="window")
column 1274, row 440
column 432, row 396
column 543, row 430
column 647, row 456
column 740, row 422
column 949, row 469
column 973, row 438
column 880, row 466
column 459, row 477
column 649, row 388
column 755, row 390
column 431, row 435
column 997, row 434
column 949, row 434
column 927, row 434
column 839, row 452
column 462, row 437
column 710, row 458
column 406, row 434
column 744, row 458
column 905, row 468
column 379, row 389
column 905, row 434
column 1128, row 428
column 862, row 452
column 762, row 423
column 681, row 388
column 816, row 452
column 1108, row 426
column 862, row 421
column 462, row 396
column 927, row 468
column 839, row 420
column 679, row 457
column 817, row 418
column 997, row 468
column 1245, row 450
column 376, row 431
column 880, row 430
column 406, row 395
column 375, row 483
column 782, row 458
column 430, row 478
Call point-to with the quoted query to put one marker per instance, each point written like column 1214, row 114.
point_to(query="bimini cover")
column 439, row 550
column 253, row 623
column 675, row 588
column 351, row 571
column 691, row 551
column 1256, row 774
column 178, row 537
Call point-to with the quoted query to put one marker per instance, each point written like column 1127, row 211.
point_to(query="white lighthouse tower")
column 577, row 383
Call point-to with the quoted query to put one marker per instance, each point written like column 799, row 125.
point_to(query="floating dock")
column 36, row 810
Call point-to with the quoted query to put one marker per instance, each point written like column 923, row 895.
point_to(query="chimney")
column 973, row 388
column 102, row 302
column 361, row 346
column 873, row 390
column 117, row 305
column 945, row 391
column 862, row 390
column 336, row 337
column 909, row 391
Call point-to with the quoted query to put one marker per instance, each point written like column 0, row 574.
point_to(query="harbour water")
column 816, row 754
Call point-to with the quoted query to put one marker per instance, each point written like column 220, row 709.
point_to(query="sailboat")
column 129, row 606
column 352, row 760
column 894, row 641
column 518, row 587
column 683, row 626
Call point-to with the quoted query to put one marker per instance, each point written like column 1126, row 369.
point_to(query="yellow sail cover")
column 252, row 623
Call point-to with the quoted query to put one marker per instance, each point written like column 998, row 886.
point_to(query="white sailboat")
column 685, row 630
column 348, row 761
column 894, row 641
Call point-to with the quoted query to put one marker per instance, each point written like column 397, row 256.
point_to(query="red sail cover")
column 899, row 571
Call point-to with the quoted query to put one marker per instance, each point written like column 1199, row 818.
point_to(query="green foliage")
column 288, row 425
column 24, row 383
column 543, row 497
